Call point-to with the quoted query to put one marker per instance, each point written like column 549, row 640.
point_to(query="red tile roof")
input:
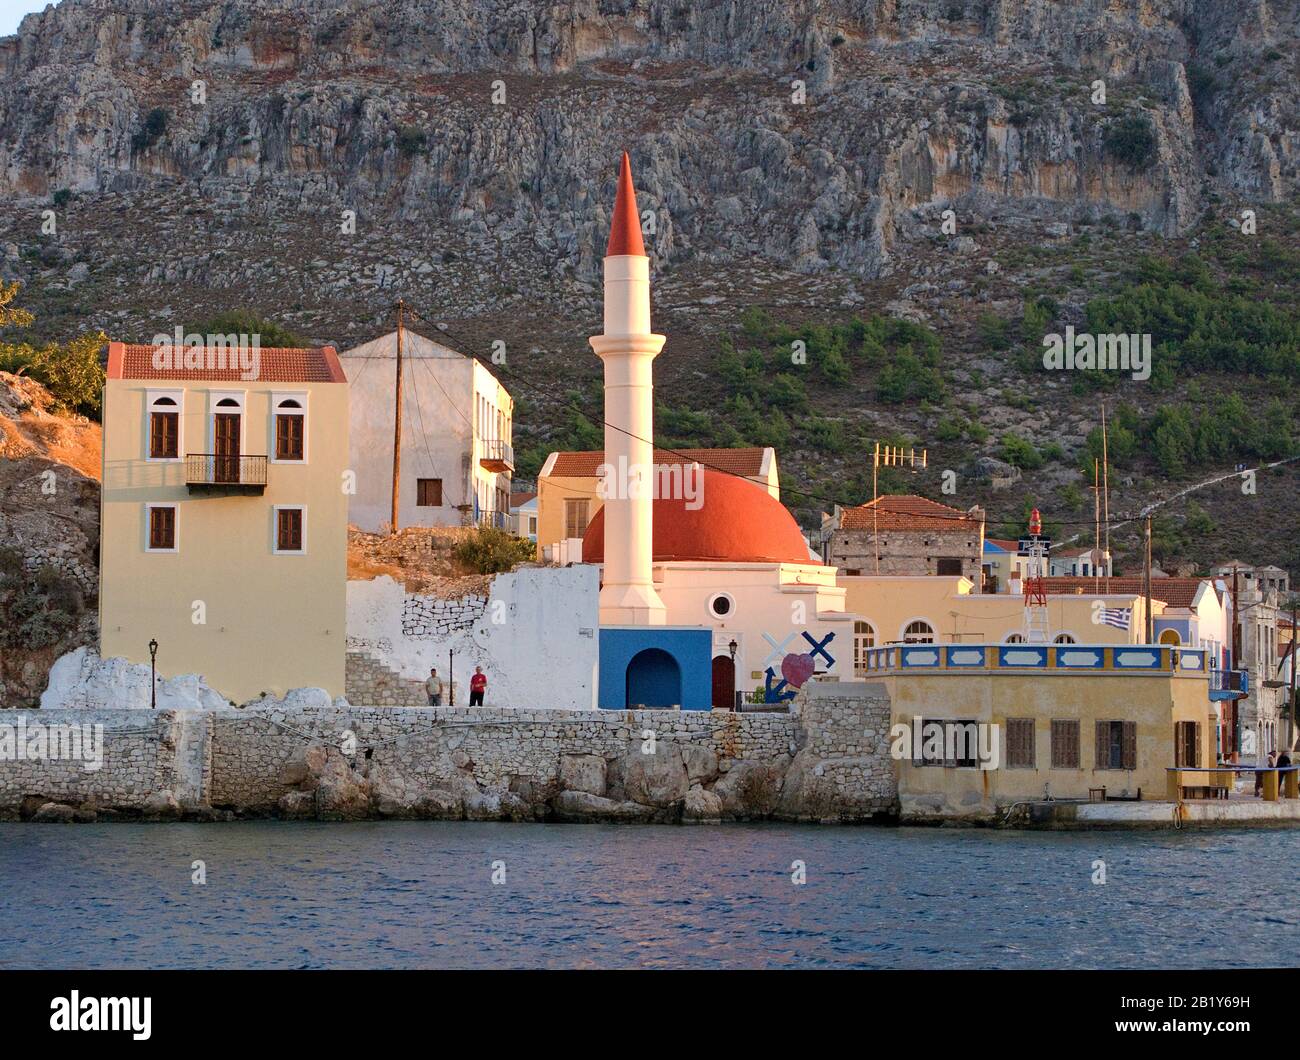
column 275, row 364
column 747, row 463
column 1176, row 592
column 908, row 512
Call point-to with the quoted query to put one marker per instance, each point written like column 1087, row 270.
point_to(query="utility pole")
column 1105, row 489
column 1236, row 623
column 1236, row 654
column 1146, row 585
column 1295, row 608
column 1096, row 527
column 397, row 419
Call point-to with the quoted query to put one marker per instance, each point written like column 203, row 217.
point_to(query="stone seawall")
column 826, row 761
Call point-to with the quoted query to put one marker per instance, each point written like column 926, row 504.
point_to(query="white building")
column 457, row 423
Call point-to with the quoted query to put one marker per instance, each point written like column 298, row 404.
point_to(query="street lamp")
column 153, row 674
column 732, row 648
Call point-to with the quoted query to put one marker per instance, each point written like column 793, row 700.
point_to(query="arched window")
column 164, row 427
column 919, row 632
column 1170, row 636
column 1065, row 638
column 290, row 429
column 864, row 639
column 227, row 403
column 1014, row 638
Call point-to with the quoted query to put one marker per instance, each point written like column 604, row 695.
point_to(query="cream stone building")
column 904, row 534
column 457, row 431
column 224, row 516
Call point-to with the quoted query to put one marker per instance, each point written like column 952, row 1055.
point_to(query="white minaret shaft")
column 628, row 349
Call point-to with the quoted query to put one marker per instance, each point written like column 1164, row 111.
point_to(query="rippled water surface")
column 420, row 895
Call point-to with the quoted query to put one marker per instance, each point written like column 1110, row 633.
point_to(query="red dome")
column 737, row 522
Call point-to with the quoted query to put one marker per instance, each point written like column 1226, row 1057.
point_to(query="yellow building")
column 224, row 515
column 568, row 488
column 947, row 610
column 1059, row 721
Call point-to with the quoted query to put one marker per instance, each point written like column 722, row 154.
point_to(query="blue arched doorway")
column 654, row 679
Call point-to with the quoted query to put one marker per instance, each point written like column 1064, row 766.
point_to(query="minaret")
column 628, row 348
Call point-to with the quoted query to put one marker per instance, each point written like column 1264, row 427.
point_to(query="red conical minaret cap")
column 625, row 232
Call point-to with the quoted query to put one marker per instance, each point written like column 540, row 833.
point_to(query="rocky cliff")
column 799, row 156
column 49, row 536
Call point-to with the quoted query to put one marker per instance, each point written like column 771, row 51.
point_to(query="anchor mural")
column 796, row 667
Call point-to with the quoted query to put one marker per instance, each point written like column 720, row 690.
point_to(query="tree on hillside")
column 69, row 370
column 244, row 322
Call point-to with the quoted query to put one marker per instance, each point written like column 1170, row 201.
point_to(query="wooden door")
column 226, row 437
column 724, row 683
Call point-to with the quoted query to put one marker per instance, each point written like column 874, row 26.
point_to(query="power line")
column 1117, row 519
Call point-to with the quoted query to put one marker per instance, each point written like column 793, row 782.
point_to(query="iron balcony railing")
column 1229, row 684
column 497, row 456
column 216, row 471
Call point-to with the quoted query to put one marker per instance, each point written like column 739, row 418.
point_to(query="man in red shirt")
column 477, row 686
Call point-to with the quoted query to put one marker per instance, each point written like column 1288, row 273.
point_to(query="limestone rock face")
column 341, row 793
column 657, row 779
column 81, row 679
column 583, row 773
column 701, row 807
column 701, row 764
column 312, row 108
column 55, row 812
column 581, row 806
column 162, row 805
column 304, row 766
column 749, row 790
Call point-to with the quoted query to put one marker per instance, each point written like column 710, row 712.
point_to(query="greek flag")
column 1116, row 616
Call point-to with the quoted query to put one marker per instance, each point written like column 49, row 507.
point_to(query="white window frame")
column 275, row 530
column 902, row 631
column 856, row 635
column 151, row 396
column 301, row 397
column 215, row 397
column 148, row 519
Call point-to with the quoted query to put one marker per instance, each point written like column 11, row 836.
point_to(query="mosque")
column 704, row 593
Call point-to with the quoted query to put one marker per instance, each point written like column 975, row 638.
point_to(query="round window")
column 721, row 605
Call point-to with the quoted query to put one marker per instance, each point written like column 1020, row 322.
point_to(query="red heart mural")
column 796, row 669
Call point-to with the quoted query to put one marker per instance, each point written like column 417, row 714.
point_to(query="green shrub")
column 246, row 322
column 492, row 551
column 1131, row 140
column 1020, row 452
column 411, row 140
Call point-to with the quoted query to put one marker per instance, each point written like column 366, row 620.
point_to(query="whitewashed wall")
column 535, row 636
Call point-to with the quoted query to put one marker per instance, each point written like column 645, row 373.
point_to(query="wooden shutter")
column 1020, row 743
column 1128, row 745
column 162, row 527
column 1103, row 745
column 289, row 530
column 1196, row 742
column 163, row 434
column 428, row 492
column 288, row 437
column 1065, row 745
column 575, row 518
